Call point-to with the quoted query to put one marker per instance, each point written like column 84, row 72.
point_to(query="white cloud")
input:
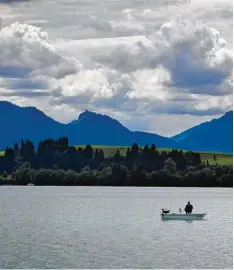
column 180, row 59
column 136, row 60
column 96, row 83
column 26, row 51
column 150, row 84
column 28, row 59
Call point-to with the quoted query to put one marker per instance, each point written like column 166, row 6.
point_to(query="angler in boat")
column 188, row 208
column 166, row 215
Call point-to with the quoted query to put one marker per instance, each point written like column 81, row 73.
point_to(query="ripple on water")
column 95, row 227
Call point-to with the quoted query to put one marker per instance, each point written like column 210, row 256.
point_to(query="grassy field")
column 222, row 159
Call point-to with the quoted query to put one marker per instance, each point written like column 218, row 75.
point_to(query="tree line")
column 54, row 162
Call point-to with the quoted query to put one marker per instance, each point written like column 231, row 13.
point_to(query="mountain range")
column 28, row 122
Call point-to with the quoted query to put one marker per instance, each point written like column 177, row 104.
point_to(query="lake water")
column 113, row 227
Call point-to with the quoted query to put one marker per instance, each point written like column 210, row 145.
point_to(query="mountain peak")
column 23, row 110
column 7, row 104
column 93, row 117
column 88, row 115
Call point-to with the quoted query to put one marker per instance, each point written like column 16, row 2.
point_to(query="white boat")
column 166, row 215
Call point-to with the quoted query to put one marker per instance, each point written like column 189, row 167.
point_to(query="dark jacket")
column 188, row 208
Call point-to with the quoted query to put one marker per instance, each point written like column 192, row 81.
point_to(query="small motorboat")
column 166, row 215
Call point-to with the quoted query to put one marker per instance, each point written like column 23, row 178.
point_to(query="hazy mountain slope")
column 25, row 122
column 215, row 135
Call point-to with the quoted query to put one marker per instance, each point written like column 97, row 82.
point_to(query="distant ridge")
column 215, row 135
column 28, row 122
column 97, row 129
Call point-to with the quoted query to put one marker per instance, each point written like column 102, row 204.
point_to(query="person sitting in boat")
column 188, row 208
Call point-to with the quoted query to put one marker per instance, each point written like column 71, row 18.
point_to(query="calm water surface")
column 95, row 227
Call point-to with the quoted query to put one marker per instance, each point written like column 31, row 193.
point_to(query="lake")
column 113, row 227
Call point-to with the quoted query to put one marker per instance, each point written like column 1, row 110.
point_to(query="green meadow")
column 221, row 158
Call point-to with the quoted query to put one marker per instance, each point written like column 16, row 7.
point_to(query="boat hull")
column 183, row 216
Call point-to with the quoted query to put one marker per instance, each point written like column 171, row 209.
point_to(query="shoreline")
column 108, row 186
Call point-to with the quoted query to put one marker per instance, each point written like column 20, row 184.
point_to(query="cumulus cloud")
column 184, row 67
column 182, row 57
column 30, row 61
column 26, row 47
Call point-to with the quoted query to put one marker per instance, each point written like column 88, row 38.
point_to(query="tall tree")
column 88, row 152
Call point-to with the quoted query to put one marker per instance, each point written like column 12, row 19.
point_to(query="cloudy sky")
column 155, row 65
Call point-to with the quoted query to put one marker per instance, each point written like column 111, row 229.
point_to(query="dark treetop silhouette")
column 54, row 162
